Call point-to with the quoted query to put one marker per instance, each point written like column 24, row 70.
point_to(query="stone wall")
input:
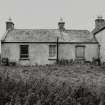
column 39, row 53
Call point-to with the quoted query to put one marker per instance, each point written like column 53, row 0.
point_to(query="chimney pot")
column 61, row 24
column 9, row 24
column 99, row 22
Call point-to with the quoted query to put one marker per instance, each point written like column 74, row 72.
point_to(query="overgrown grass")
column 52, row 85
column 43, row 92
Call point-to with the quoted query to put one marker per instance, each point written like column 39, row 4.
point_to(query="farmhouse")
column 46, row 46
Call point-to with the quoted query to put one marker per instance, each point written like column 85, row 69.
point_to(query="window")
column 52, row 50
column 24, row 54
column 80, row 51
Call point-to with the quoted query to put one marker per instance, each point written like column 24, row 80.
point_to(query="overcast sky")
column 78, row 14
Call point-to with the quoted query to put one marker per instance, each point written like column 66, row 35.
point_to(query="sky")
column 45, row 14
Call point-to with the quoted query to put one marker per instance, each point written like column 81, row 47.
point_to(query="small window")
column 52, row 50
column 24, row 53
column 80, row 51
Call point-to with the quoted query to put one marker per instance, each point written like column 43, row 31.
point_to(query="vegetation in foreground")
column 52, row 85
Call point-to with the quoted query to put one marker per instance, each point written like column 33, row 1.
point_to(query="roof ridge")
column 33, row 29
column 51, row 29
column 77, row 30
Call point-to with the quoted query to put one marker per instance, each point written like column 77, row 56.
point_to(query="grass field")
column 55, row 77
column 74, row 74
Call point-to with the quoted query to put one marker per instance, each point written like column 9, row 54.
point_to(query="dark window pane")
column 24, row 51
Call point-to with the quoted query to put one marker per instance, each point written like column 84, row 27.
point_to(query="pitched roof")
column 95, row 31
column 48, row 35
column 98, row 29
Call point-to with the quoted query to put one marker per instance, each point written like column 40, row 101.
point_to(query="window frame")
column 83, row 46
column 24, row 56
column 52, row 50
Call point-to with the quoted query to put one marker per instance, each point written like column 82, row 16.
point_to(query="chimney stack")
column 9, row 24
column 61, row 25
column 99, row 22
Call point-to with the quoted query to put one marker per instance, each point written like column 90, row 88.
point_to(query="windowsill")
column 52, row 58
column 24, row 59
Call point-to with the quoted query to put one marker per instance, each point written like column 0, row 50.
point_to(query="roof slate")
column 48, row 35
column 97, row 29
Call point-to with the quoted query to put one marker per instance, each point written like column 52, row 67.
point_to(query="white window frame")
column 52, row 50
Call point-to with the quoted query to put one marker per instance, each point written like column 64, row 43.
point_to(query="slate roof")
column 97, row 29
column 48, row 35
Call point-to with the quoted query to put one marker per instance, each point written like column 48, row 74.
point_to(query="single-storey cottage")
column 46, row 46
